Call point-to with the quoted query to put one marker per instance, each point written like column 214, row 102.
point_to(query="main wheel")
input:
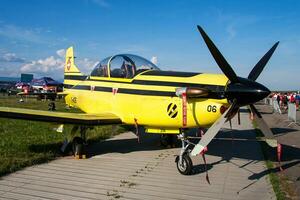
column 185, row 167
column 168, row 140
column 164, row 140
column 78, row 146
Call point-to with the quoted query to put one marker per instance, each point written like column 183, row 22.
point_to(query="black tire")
column 168, row 140
column 164, row 140
column 78, row 146
column 184, row 168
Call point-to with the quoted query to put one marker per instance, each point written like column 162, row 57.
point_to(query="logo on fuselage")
column 74, row 99
column 69, row 63
column 172, row 110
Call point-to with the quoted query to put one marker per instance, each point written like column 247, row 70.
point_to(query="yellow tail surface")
column 72, row 75
column 70, row 66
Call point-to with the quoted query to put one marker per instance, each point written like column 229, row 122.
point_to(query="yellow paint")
column 149, row 111
column 70, row 66
column 162, row 131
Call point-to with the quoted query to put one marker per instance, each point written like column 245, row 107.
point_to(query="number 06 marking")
column 211, row 108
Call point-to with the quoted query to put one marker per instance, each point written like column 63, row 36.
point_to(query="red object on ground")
column 26, row 89
column 279, row 153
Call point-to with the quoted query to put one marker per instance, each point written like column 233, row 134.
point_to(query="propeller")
column 221, row 61
column 211, row 132
column 257, row 69
column 265, row 129
column 240, row 92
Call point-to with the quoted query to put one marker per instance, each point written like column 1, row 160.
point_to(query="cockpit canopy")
column 123, row 66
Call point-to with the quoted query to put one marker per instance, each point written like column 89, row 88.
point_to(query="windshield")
column 123, row 66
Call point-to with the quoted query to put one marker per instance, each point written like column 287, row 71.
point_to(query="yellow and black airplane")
column 128, row 89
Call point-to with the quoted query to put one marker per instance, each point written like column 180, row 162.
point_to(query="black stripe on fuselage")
column 176, row 84
column 217, row 91
column 75, row 77
column 214, row 94
column 126, row 91
column 157, row 83
column 170, row 73
column 68, row 86
column 82, row 87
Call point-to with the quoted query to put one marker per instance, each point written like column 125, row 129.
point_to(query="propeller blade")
column 221, row 61
column 211, row 132
column 265, row 129
column 257, row 69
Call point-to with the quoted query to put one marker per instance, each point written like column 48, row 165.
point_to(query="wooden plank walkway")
column 122, row 169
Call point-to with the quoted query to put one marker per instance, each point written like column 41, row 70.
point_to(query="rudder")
column 72, row 75
column 70, row 66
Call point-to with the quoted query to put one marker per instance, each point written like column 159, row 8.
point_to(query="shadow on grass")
column 256, row 176
column 53, row 148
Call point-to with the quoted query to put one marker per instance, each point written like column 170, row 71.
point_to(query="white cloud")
column 154, row 60
column 43, row 66
column 85, row 65
column 61, row 53
column 11, row 57
column 53, row 65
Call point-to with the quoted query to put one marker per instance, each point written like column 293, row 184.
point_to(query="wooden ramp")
column 122, row 169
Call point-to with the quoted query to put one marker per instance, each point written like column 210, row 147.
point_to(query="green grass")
column 25, row 143
column 275, row 180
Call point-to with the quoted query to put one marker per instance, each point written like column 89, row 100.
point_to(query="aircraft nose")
column 262, row 91
column 246, row 91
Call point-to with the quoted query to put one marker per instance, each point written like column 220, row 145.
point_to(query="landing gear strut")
column 79, row 143
column 183, row 161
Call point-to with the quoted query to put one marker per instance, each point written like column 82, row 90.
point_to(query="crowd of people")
column 284, row 98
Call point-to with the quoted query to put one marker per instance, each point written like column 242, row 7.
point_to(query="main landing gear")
column 79, row 143
column 168, row 140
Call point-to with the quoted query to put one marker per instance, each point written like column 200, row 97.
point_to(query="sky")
column 34, row 35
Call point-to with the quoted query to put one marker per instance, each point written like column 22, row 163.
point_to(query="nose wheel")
column 183, row 161
column 184, row 165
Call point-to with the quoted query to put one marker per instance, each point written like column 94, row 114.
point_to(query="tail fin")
column 70, row 66
column 72, row 75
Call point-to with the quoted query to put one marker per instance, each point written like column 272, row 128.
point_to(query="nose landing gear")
column 183, row 161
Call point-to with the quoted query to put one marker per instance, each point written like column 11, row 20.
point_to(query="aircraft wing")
column 59, row 117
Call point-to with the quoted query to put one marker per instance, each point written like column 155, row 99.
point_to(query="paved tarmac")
column 287, row 134
column 122, row 169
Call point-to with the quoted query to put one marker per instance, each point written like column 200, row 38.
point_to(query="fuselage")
column 149, row 98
